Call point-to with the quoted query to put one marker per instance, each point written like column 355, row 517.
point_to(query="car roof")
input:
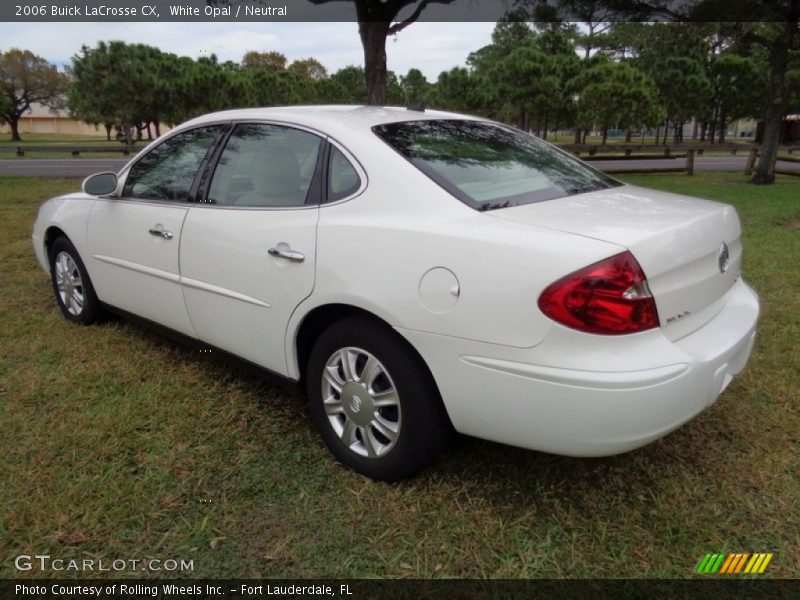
column 327, row 118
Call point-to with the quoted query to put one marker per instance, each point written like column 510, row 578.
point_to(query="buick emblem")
column 355, row 404
column 723, row 257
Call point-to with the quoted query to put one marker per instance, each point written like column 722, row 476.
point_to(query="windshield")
column 489, row 166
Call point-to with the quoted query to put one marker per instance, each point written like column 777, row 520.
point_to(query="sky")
column 431, row 47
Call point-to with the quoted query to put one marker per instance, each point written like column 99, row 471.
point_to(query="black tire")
column 423, row 426
column 89, row 311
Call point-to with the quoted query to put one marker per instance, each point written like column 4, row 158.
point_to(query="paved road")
column 82, row 167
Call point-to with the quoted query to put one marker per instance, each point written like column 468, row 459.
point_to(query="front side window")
column 265, row 165
column 168, row 170
column 488, row 166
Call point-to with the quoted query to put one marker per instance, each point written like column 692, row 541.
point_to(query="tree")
column 376, row 21
column 684, row 88
column 738, row 83
column 310, row 68
column 415, row 87
column 330, row 91
column 123, row 84
column 674, row 56
column 395, row 95
column 779, row 39
column 773, row 25
column 136, row 86
column 352, row 79
column 267, row 61
column 523, row 84
column 265, row 88
column 457, row 89
column 615, row 94
column 24, row 79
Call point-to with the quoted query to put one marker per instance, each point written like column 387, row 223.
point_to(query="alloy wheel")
column 69, row 284
column 361, row 402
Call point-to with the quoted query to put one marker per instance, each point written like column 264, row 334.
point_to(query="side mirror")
column 100, row 184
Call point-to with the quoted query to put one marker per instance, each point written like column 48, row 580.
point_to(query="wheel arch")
column 321, row 317
column 315, row 322
column 50, row 235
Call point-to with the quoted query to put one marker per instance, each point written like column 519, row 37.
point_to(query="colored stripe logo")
column 734, row 563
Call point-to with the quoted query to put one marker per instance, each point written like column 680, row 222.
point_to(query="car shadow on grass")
column 485, row 467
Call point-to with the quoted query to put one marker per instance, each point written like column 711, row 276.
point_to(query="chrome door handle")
column 288, row 254
column 161, row 232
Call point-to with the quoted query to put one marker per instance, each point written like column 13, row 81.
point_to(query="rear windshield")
column 489, row 166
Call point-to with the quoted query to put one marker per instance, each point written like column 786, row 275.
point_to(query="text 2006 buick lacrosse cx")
column 417, row 272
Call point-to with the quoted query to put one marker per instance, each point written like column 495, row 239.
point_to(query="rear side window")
column 168, row 170
column 343, row 179
column 265, row 165
column 488, row 166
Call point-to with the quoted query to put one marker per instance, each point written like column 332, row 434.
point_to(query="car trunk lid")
column 679, row 241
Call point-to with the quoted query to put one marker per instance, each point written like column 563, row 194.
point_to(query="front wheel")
column 71, row 284
column 374, row 401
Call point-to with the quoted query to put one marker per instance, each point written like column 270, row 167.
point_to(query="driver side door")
column 134, row 239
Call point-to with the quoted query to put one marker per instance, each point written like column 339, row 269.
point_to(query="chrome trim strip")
column 125, row 264
column 220, row 291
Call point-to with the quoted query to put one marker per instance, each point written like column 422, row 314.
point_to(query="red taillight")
column 609, row 297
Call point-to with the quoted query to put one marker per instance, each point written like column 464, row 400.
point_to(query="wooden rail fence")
column 688, row 152
column 77, row 150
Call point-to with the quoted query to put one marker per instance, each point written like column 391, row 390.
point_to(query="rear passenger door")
column 248, row 245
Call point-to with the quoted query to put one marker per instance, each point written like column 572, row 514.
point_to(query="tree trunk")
column 13, row 123
column 605, row 135
column 722, row 119
column 704, row 131
column 628, row 134
column 544, row 128
column 776, row 109
column 158, row 129
column 108, row 127
column 694, row 130
column 373, row 38
column 585, row 133
column 658, row 133
column 577, row 138
column 666, row 132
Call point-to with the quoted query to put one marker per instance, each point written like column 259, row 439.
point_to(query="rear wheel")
column 71, row 284
column 374, row 401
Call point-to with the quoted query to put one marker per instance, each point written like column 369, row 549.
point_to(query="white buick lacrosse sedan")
column 417, row 273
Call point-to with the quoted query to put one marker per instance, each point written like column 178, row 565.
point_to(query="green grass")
column 118, row 443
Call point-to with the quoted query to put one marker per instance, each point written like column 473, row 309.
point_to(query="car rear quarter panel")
column 373, row 250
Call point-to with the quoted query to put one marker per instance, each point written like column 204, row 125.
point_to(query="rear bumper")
column 587, row 395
